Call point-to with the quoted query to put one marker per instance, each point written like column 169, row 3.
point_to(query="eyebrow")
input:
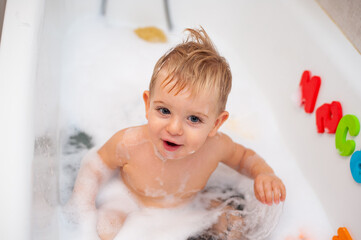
column 199, row 113
column 161, row 102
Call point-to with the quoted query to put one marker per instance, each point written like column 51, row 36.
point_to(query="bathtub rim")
column 18, row 61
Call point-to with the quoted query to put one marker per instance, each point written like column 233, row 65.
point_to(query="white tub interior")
column 91, row 72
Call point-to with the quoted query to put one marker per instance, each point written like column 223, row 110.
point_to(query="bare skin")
column 166, row 162
column 164, row 183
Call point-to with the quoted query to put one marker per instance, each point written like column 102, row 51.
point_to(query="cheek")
column 155, row 123
column 197, row 137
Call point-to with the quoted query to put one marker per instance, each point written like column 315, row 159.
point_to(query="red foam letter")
column 328, row 116
column 309, row 90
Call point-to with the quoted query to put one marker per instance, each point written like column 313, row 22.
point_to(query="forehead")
column 186, row 97
column 178, row 85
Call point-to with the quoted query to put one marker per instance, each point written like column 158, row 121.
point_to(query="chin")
column 172, row 155
column 177, row 155
column 166, row 155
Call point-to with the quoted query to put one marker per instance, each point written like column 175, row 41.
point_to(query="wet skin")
column 159, row 182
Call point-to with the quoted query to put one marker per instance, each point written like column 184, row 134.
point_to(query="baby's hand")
column 269, row 188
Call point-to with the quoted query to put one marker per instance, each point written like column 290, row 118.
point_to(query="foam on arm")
column 92, row 174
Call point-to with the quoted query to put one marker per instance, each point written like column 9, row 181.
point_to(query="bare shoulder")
column 133, row 136
column 114, row 151
column 231, row 153
column 222, row 146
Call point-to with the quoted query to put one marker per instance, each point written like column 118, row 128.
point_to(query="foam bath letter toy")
column 355, row 166
column 342, row 234
column 348, row 124
column 309, row 90
column 151, row 34
column 328, row 116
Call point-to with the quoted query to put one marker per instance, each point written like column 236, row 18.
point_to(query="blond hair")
column 196, row 65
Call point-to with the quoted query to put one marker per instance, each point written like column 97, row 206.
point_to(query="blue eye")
column 194, row 119
column 164, row 111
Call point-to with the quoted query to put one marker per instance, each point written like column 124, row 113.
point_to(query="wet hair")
column 194, row 65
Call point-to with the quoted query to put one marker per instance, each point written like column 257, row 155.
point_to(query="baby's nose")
column 175, row 127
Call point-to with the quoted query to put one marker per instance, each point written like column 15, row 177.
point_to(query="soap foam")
column 191, row 219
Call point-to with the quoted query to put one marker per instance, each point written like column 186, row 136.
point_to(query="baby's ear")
column 223, row 116
column 146, row 99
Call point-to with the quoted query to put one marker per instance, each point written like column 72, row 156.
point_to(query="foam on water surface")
column 105, row 71
column 192, row 219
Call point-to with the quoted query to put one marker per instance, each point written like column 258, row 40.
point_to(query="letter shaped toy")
column 328, row 116
column 342, row 234
column 309, row 90
column 355, row 166
column 348, row 124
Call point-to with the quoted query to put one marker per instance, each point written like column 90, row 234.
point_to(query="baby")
column 167, row 161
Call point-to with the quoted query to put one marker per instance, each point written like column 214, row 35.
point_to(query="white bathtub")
column 275, row 43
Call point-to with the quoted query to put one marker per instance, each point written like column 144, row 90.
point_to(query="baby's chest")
column 161, row 180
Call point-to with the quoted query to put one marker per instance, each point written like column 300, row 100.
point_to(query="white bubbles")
column 154, row 193
column 259, row 219
column 75, row 225
column 227, row 192
column 236, row 191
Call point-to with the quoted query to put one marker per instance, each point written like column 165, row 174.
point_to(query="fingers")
column 259, row 192
column 283, row 192
column 268, row 191
column 276, row 194
column 279, row 191
column 263, row 191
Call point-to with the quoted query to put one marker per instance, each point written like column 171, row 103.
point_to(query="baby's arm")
column 92, row 173
column 267, row 186
column 95, row 169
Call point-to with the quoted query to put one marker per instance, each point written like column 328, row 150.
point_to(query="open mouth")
column 170, row 146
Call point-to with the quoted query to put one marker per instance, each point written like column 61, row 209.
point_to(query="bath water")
column 105, row 71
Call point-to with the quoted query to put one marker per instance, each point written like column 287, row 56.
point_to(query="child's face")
column 179, row 125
